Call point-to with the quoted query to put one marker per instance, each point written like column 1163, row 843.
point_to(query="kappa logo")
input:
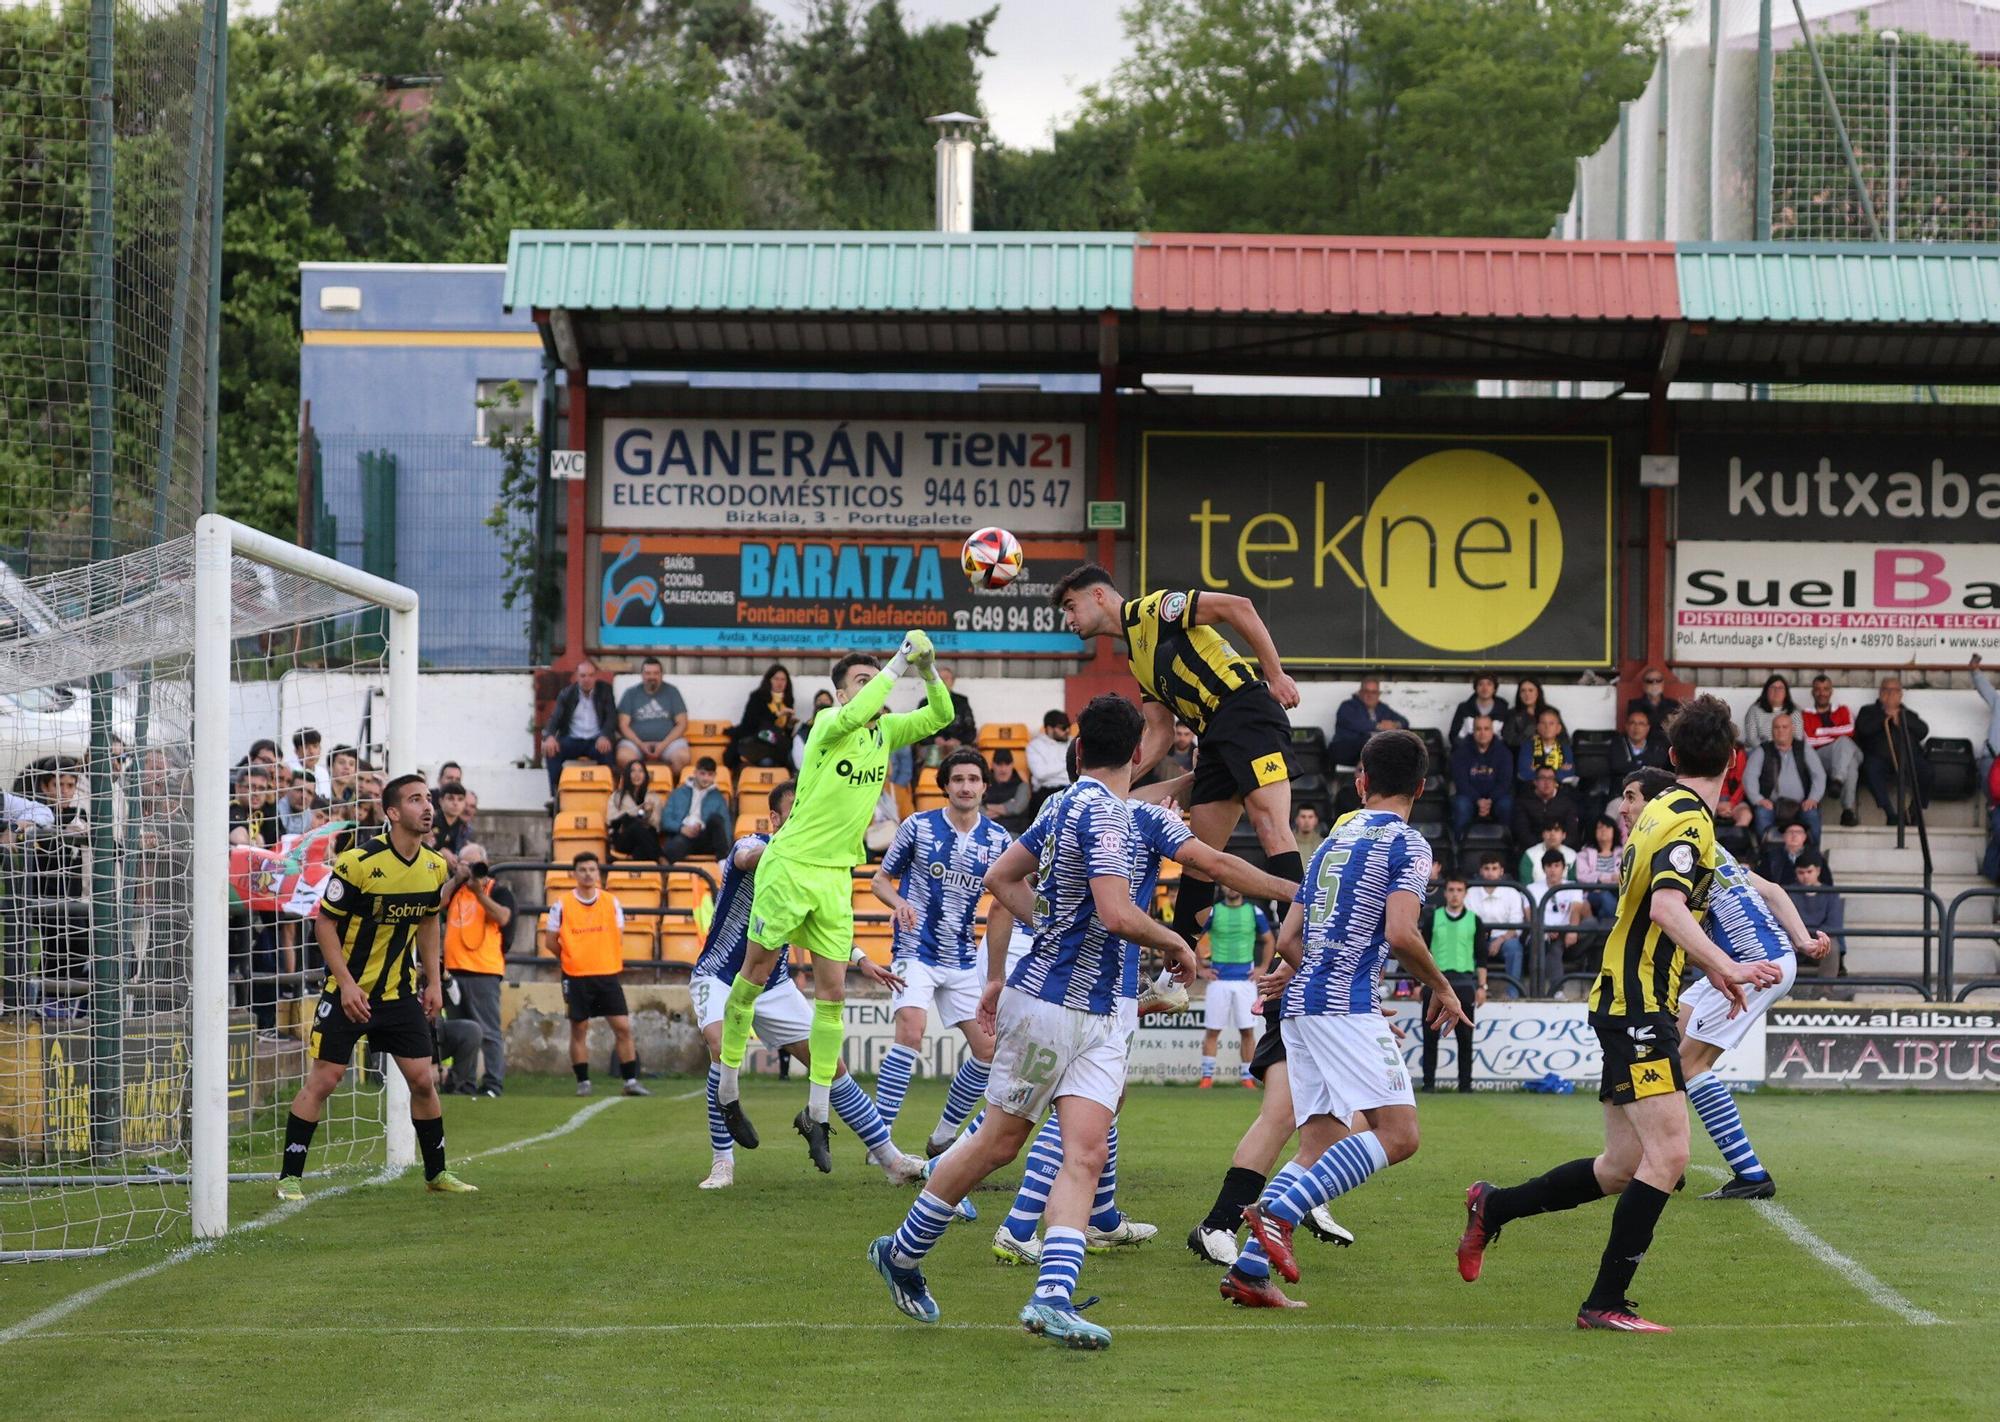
column 377, row 874
column 1691, row 832
column 1651, row 1076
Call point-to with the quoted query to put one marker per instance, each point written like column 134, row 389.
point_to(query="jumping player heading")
column 1186, row 668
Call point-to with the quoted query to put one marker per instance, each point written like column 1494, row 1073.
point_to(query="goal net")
column 188, row 734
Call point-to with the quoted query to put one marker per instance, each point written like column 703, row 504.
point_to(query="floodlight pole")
column 1894, row 42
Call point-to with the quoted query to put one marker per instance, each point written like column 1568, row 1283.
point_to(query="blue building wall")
column 400, row 375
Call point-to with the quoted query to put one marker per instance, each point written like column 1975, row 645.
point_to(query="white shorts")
column 1708, row 1010
column 953, row 992
column 1232, row 1005
column 783, row 1014
column 1046, row 1051
column 1343, row 1064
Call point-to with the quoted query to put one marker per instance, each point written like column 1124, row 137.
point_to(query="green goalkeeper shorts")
column 809, row 906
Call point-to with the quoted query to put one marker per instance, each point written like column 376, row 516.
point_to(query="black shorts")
column 398, row 1027
column 1243, row 747
column 1271, row 1046
column 1642, row 1057
column 599, row 996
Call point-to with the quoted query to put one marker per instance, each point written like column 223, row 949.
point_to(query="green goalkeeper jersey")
column 847, row 768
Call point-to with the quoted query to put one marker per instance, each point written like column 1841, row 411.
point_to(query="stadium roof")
column 1244, row 304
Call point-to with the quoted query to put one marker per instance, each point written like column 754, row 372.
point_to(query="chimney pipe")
column 954, row 170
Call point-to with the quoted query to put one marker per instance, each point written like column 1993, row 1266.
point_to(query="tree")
column 1372, row 115
column 856, row 87
column 1947, row 158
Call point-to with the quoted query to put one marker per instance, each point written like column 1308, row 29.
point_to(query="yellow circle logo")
column 1462, row 550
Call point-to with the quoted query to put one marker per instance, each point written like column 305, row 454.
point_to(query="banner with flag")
column 288, row 879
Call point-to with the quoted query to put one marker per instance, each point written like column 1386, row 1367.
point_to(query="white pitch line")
column 1877, row 1292
column 614, row 1330
column 57, row 1312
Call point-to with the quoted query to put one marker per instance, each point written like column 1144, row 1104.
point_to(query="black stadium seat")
column 1592, row 750
column 1957, row 770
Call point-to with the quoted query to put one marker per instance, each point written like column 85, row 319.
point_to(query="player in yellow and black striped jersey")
column 1664, row 885
column 377, row 917
column 1188, row 670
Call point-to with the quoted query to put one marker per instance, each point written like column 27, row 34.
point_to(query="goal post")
column 218, row 543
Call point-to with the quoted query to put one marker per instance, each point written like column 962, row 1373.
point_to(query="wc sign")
column 1862, row 604
column 567, row 463
column 1391, row 549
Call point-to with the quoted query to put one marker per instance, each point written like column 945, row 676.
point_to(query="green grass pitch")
column 590, row 1278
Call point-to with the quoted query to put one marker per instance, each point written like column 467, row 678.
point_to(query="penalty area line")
column 57, row 1312
column 1872, row 1288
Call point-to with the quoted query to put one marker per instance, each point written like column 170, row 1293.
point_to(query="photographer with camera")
column 478, row 911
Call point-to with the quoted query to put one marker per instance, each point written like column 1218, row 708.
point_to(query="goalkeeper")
column 804, row 887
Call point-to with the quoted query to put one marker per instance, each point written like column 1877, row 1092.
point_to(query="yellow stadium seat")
column 684, row 891
column 906, row 804
column 753, row 822
column 680, row 942
column 578, row 774
column 752, row 801
column 567, row 845
column 1012, row 735
column 634, row 890
column 642, row 940
column 763, row 777
column 541, row 937
column 876, row 940
column 660, row 779
column 585, row 820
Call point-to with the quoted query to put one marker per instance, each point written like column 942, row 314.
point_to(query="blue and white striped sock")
column 1253, row 1261
column 859, row 1113
column 892, row 1081
column 1044, row 1160
column 719, row 1139
column 1207, row 1067
column 1062, row 1262
column 1345, row 1165
column 923, row 1227
column 968, row 1085
column 1716, row 1105
column 1104, row 1209
column 1281, row 1180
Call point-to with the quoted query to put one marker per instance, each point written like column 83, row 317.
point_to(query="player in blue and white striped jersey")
column 1358, row 904
column 932, row 878
column 783, row 1021
column 1754, row 921
column 1158, row 835
column 1059, row 1036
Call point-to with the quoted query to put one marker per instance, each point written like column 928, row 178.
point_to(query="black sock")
column 1570, row 1184
column 1631, row 1236
column 1240, row 1187
column 629, row 1070
column 298, row 1140
column 582, row 1070
column 430, row 1140
column 1191, row 900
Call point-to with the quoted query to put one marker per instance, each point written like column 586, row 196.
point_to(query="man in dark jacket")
column 1637, row 749
column 1548, row 804
column 1359, row 717
column 1891, row 737
column 583, row 725
column 1482, row 779
column 1485, row 700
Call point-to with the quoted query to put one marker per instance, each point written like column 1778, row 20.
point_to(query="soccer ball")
column 992, row 558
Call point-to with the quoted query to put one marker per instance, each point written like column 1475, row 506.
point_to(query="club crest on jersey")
column 1681, row 856
column 335, row 890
